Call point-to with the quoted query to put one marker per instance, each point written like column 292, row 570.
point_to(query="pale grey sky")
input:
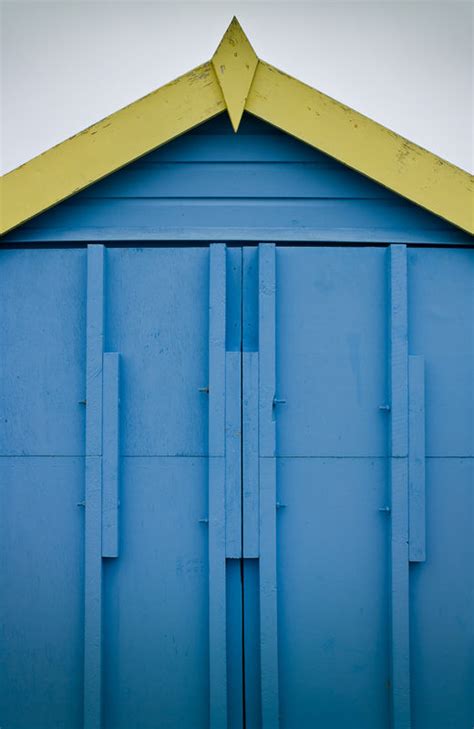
column 409, row 65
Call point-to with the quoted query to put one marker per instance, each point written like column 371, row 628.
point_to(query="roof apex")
column 235, row 63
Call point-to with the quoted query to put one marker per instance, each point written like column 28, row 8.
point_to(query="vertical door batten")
column 93, row 491
column 217, row 474
column 267, row 359
column 400, row 634
column 250, row 399
column 233, row 410
column 267, row 483
column 102, row 474
column 110, row 462
column 250, row 496
column 233, row 468
column 416, row 460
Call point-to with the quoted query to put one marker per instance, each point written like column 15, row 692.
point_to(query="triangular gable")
column 258, row 185
column 236, row 80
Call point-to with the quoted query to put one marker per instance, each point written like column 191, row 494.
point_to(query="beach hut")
column 236, row 418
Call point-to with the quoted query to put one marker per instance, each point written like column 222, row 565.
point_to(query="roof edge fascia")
column 237, row 80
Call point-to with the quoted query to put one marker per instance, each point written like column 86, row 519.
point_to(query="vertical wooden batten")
column 111, row 455
column 400, row 595
column 267, row 491
column 93, row 491
column 217, row 480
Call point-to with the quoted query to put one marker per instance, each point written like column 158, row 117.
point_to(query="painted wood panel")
column 333, row 601
column 441, row 328
column 155, row 598
column 158, row 318
column 43, row 352
column 441, row 599
column 41, row 585
column 331, row 446
column 332, row 346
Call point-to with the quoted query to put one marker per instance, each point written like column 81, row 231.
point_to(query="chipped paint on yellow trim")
column 110, row 144
column 237, row 82
column 235, row 62
column 363, row 144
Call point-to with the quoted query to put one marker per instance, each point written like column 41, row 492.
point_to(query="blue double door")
column 237, row 487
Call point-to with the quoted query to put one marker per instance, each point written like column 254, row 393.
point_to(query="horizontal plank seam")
column 200, row 455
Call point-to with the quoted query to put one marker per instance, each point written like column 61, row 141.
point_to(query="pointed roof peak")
column 235, row 63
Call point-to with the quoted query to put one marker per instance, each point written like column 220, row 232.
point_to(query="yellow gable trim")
column 237, row 82
column 235, row 63
column 108, row 145
column 363, row 144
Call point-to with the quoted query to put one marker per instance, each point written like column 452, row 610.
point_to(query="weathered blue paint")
column 259, row 185
column 278, row 518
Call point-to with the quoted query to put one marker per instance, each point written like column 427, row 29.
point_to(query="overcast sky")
column 409, row 65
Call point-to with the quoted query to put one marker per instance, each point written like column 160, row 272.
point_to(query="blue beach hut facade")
column 237, row 418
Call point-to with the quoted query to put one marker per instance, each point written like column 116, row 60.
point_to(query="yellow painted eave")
column 363, row 144
column 109, row 145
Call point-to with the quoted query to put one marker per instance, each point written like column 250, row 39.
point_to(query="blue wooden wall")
column 257, row 185
column 332, row 332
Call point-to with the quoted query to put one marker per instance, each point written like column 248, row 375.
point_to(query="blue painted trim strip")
column 93, row 492
column 267, row 356
column 260, row 231
column 217, row 346
column 111, row 461
column 250, row 455
column 267, row 489
column 95, row 348
column 400, row 632
column 233, row 461
column 416, row 459
column 268, row 596
column 217, row 474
